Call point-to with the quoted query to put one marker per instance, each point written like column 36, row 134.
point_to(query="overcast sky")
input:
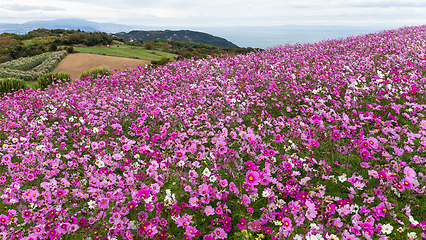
column 197, row 13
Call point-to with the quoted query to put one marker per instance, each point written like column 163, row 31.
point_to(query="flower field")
column 312, row 141
column 30, row 68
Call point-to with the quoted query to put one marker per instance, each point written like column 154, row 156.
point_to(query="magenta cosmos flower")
column 252, row 178
column 4, row 219
column 365, row 154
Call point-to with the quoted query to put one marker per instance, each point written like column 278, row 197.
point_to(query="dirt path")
column 77, row 63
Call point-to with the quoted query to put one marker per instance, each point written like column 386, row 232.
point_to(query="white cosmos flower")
column 181, row 163
column 206, row 172
column 355, row 208
column 266, row 193
column 412, row 220
column 100, row 163
column 387, row 228
column 212, row 178
column 91, row 204
column 412, row 235
column 342, row 178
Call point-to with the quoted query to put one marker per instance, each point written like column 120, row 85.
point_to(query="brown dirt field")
column 77, row 63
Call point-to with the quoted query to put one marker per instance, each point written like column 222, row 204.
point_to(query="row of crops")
column 30, row 68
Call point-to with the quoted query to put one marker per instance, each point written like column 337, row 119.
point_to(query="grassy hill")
column 127, row 51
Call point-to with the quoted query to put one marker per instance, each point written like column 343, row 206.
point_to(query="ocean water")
column 266, row 37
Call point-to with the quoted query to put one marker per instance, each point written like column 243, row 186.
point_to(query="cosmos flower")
column 252, row 178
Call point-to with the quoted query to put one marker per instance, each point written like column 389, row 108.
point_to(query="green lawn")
column 126, row 51
column 28, row 42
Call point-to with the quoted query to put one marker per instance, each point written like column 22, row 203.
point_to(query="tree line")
column 42, row 40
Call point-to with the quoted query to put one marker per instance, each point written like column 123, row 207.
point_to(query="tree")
column 165, row 47
column 149, row 46
column 53, row 47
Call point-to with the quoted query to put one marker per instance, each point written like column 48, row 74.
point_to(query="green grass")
column 28, row 42
column 33, row 85
column 126, row 51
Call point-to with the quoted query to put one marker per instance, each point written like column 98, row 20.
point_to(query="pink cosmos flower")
column 180, row 155
column 337, row 222
column 278, row 138
column 193, row 148
column 242, row 224
column 250, row 165
column 209, row 210
column 408, row 149
column 287, row 222
column 191, row 231
column 193, row 202
column 335, row 135
column 126, row 147
column 381, row 210
column 132, row 205
column 246, row 200
column 220, row 143
column 372, row 143
column 382, row 175
column 82, row 221
column 94, row 145
column 219, row 210
column 410, row 173
column 6, row 158
column 311, row 213
column 223, row 183
column 27, row 214
column 250, row 210
column 407, row 183
column 250, row 137
column 313, row 142
column 365, row 154
column 219, row 233
column 365, row 165
column 223, row 150
column 63, row 228
column 252, row 178
column 144, row 193
column 398, row 151
column 287, row 166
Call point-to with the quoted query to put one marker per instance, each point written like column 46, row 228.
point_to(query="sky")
column 221, row 13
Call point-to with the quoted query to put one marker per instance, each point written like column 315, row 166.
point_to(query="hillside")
column 307, row 141
column 182, row 36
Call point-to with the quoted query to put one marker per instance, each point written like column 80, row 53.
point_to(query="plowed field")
column 77, row 63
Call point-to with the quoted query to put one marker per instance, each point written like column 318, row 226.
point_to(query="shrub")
column 163, row 61
column 70, row 49
column 54, row 77
column 103, row 71
column 53, row 47
column 8, row 85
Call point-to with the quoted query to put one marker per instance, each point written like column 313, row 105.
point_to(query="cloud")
column 381, row 4
column 25, row 8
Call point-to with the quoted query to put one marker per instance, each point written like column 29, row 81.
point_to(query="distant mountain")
column 182, row 36
column 71, row 23
column 119, row 29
